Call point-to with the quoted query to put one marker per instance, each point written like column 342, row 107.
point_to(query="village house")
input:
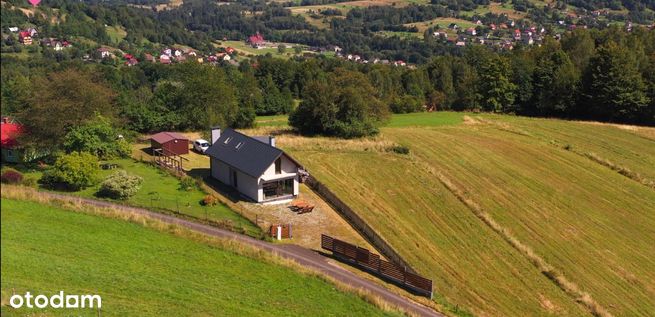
column 13, row 29
column 105, row 52
column 471, row 31
column 10, row 150
column 56, row 44
column 257, row 41
column 25, row 38
column 165, row 59
column 253, row 166
column 149, row 58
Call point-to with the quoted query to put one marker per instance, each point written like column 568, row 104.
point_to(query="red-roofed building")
column 10, row 149
column 256, row 40
column 171, row 143
column 25, row 37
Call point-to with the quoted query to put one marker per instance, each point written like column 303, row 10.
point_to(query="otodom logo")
column 55, row 301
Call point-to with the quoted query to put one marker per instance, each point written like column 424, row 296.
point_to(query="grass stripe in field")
column 143, row 272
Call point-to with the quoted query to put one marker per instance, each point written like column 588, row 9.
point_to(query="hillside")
column 491, row 207
column 145, row 272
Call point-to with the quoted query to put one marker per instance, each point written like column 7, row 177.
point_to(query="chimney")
column 271, row 140
column 216, row 133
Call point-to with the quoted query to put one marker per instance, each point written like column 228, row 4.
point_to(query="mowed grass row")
column 626, row 146
column 473, row 269
column 140, row 271
column 592, row 224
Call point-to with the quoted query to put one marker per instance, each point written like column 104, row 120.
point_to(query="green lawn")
column 272, row 121
column 143, row 272
column 592, row 224
column 425, row 119
column 161, row 190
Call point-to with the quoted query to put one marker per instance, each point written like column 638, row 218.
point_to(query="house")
column 253, row 166
column 25, row 38
column 13, row 29
column 471, row 31
column 149, row 58
column 165, row 59
column 170, row 143
column 256, row 40
column 167, row 51
column 453, row 26
column 104, row 52
column 10, row 150
column 229, row 50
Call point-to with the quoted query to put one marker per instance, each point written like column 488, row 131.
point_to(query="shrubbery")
column 406, row 104
column 120, row 185
column 209, row 200
column 187, row 183
column 97, row 137
column 11, row 176
column 74, row 171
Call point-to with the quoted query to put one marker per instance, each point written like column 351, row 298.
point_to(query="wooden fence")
column 371, row 262
column 357, row 222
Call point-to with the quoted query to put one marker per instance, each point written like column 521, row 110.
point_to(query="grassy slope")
column 161, row 190
column 143, row 272
column 570, row 210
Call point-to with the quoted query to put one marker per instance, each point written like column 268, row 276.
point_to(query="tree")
column 97, row 137
column 495, row 89
column 613, row 88
column 63, row 100
column 580, row 47
column 346, row 107
column 207, row 98
column 74, row 171
column 555, row 82
column 281, row 48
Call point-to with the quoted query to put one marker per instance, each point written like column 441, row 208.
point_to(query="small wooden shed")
column 172, row 143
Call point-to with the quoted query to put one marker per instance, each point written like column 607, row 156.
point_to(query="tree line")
column 604, row 75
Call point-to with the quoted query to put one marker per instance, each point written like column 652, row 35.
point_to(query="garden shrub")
column 209, row 200
column 11, row 176
column 120, row 185
column 74, row 171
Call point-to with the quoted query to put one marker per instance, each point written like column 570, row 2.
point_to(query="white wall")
column 287, row 167
column 246, row 184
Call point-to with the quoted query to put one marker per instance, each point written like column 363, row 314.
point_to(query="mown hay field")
column 510, row 216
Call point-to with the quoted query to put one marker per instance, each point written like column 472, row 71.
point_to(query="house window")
column 239, row 145
column 278, row 166
column 279, row 188
column 227, row 140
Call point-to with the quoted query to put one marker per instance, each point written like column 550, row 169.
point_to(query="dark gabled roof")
column 249, row 155
column 163, row 137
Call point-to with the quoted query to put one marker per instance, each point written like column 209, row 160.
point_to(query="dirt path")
column 303, row 256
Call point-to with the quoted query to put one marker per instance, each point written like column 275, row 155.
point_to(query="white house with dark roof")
column 253, row 166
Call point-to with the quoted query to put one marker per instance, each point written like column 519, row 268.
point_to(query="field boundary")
column 357, row 223
column 548, row 270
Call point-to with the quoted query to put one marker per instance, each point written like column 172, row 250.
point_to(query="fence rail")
column 371, row 262
column 357, row 222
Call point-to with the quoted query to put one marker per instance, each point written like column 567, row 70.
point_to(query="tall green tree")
column 613, row 88
column 64, row 100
